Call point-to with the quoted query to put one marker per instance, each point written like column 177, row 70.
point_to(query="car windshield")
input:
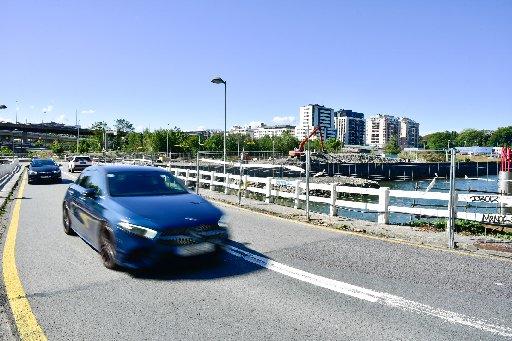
column 40, row 163
column 82, row 158
column 143, row 183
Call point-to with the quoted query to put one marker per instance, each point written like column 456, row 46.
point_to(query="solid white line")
column 369, row 295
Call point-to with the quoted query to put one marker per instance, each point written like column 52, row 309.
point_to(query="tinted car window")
column 143, row 183
column 40, row 163
column 83, row 158
column 92, row 180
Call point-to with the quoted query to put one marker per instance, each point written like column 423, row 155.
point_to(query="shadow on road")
column 46, row 183
column 201, row 267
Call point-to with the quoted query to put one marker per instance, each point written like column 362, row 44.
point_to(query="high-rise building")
column 380, row 128
column 409, row 133
column 314, row 115
column 350, row 127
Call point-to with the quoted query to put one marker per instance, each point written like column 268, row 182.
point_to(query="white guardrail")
column 6, row 170
column 295, row 190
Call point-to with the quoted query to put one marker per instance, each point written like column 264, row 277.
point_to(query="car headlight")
column 223, row 222
column 31, row 172
column 57, row 171
column 138, row 230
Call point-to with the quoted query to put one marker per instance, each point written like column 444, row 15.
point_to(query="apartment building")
column 315, row 115
column 350, row 127
column 380, row 128
column 409, row 133
column 272, row 131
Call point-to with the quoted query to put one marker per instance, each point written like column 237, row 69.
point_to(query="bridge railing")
column 271, row 189
column 7, row 169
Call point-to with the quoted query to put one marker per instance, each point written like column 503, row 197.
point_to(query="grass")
column 462, row 226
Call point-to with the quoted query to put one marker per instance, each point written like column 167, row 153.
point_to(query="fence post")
column 226, row 183
column 334, row 195
column 187, row 174
column 268, row 190
column 452, row 204
column 198, row 175
column 245, row 184
column 383, row 217
column 212, row 179
column 297, row 194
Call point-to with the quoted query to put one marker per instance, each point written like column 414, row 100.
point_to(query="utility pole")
column 307, row 176
column 77, row 131
column 452, row 203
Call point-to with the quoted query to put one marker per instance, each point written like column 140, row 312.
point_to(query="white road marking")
column 369, row 295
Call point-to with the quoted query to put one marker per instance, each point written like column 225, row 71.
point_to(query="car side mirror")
column 90, row 193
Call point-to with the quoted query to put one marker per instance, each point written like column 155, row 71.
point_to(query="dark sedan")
column 135, row 216
column 43, row 170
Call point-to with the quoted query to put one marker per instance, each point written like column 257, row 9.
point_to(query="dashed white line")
column 370, row 295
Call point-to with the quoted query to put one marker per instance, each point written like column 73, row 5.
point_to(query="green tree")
column 332, row 145
column 56, row 147
column 5, row 151
column 123, row 128
column 392, row 146
column 214, row 143
column 472, row 137
column 501, row 137
column 439, row 140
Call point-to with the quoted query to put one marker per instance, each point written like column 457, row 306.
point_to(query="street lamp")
column 3, row 106
column 219, row 80
column 168, row 140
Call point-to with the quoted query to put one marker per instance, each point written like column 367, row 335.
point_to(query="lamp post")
column 77, row 131
column 219, row 80
column 168, row 140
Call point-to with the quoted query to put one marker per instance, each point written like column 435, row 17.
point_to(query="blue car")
column 135, row 216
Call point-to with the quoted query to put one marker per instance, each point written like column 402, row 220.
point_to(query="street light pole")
column 77, row 131
column 167, row 139
column 219, row 80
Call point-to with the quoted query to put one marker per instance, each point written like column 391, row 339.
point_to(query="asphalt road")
column 351, row 287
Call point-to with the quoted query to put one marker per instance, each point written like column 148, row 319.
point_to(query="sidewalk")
column 477, row 244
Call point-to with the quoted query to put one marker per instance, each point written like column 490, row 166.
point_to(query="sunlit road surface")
column 278, row 280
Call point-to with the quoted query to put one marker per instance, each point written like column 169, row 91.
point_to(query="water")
column 488, row 185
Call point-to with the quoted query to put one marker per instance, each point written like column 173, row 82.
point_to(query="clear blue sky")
column 446, row 64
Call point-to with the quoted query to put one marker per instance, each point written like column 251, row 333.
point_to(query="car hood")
column 48, row 168
column 169, row 211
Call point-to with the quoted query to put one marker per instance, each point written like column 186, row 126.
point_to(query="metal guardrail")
column 6, row 170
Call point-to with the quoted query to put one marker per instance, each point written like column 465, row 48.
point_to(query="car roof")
column 126, row 168
column 82, row 156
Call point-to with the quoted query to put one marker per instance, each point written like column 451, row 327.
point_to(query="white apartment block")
column 242, row 130
column 273, row 130
column 409, row 133
column 380, row 128
column 314, row 115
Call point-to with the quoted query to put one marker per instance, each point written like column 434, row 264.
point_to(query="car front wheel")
column 107, row 250
column 66, row 221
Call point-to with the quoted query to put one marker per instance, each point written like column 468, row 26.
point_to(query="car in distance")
column 79, row 163
column 43, row 170
column 135, row 216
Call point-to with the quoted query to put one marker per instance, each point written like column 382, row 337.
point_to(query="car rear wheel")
column 107, row 250
column 66, row 221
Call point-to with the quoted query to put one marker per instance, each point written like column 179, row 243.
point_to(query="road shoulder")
column 9, row 191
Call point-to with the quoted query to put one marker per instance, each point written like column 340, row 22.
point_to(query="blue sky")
column 446, row 64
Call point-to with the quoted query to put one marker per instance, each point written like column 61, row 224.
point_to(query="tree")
column 56, row 147
column 123, row 126
column 392, row 146
column 332, row 145
column 472, row 137
column 214, row 143
column 5, row 151
column 439, row 140
column 501, row 137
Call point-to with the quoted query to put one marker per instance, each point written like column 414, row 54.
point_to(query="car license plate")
column 82, row 162
column 45, row 176
column 195, row 249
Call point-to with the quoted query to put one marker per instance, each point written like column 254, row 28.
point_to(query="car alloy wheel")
column 107, row 250
column 66, row 221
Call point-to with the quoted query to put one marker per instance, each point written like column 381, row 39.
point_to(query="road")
column 278, row 280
